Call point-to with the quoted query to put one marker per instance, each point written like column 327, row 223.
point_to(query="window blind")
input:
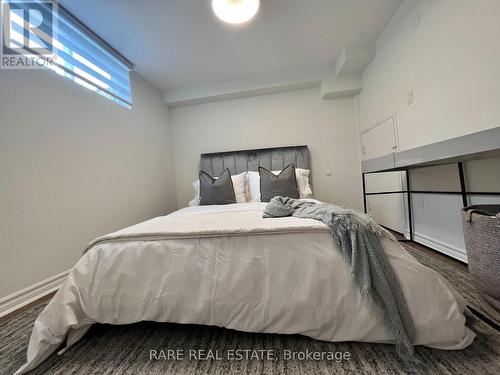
column 79, row 54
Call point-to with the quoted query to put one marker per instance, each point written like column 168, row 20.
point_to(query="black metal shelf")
column 463, row 191
column 433, row 192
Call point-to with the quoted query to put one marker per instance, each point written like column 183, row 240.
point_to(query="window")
column 79, row 54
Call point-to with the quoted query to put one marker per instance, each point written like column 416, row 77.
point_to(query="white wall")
column 73, row 166
column 436, row 217
column 482, row 176
column 387, row 209
column 448, row 53
column 284, row 119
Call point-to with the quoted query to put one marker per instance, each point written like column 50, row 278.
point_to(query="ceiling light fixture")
column 235, row 11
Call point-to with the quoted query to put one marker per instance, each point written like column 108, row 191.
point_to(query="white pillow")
column 304, row 186
column 239, row 184
column 253, row 184
column 302, row 175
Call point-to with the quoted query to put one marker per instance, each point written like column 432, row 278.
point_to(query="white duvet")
column 228, row 267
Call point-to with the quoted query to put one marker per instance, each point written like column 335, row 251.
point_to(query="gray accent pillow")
column 216, row 190
column 282, row 185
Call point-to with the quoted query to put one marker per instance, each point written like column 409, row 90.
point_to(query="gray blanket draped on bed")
column 358, row 235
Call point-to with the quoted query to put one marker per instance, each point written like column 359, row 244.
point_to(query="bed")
column 227, row 266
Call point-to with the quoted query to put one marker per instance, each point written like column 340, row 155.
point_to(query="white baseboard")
column 30, row 294
column 443, row 247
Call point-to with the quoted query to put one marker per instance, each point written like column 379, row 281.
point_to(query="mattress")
column 228, row 267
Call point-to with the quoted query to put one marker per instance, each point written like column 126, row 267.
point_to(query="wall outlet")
column 419, row 201
column 410, row 97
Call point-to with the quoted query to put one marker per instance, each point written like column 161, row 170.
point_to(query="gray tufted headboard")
column 275, row 158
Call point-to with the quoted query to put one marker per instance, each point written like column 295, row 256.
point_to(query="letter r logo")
column 27, row 27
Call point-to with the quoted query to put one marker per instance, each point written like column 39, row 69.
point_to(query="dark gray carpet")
column 125, row 349
column 461, row 280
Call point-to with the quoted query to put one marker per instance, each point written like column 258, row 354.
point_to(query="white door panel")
column 379, row 140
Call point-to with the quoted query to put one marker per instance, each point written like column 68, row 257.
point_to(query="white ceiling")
column 179, row 45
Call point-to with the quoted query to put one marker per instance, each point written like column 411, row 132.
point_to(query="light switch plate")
column 419, row 201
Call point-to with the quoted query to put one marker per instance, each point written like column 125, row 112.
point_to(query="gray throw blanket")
column 358, row 236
